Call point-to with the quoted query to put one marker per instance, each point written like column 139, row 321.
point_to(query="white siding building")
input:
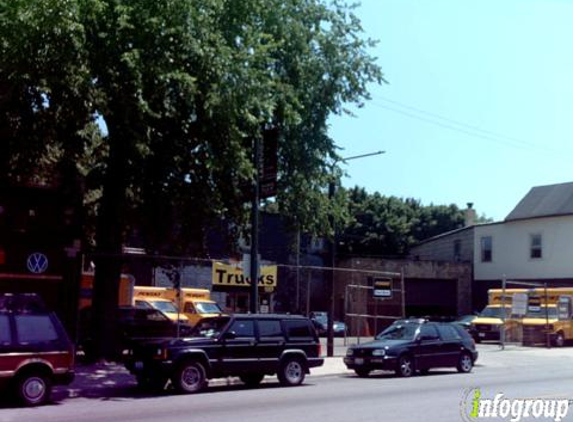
column 535, row 249
column 533, row 243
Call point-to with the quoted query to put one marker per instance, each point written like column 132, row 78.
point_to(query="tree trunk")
column 108, row 260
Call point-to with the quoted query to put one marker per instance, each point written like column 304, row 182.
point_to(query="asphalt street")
column 439, row 396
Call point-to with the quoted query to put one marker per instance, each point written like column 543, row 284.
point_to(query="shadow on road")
column 112, row 382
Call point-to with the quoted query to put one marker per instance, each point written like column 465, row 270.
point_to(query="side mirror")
column 229, row 335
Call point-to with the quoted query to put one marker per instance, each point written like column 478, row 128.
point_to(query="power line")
column 457, row 126
column 455, row 122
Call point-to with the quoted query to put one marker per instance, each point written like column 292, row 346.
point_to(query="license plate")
column 138, row 365
column 481, row 334
column 359, row 361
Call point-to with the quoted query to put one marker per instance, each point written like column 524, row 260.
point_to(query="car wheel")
column 34, row 389
column 362, row 372
column 252, row 380
column 559, row 340
column 291, row 372
column 465, row 363
column 405, row 366
column 189, row 377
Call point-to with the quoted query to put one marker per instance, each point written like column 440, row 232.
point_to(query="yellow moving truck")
column 549, row 316
column 194, row 304
column 487, row 326
column 160, row 298
column 197, row 304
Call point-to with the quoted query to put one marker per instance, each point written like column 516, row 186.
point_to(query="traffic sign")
column 382, row 288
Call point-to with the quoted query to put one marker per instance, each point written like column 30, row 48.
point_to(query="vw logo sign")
column 37, row 263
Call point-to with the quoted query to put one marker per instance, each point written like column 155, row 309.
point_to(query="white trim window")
column 536, row 246
column 486, row 249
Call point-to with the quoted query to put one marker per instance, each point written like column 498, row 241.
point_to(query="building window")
column 457, row 250
column 536, row 247
column 486, row 249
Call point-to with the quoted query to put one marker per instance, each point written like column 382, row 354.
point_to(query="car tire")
column 362, row 372
column 292, row 372
column 405, row 367
column 33, row 388
column 559, row 339
column 253, row 379
column 465, row 363
column 189, row 377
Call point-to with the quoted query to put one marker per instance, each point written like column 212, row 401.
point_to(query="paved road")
column 342, row 397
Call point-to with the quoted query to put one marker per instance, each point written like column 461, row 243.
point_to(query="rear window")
column 448, row 332
column 297, row 328
column 461, row 332
column 5, row 332
column 35, row 329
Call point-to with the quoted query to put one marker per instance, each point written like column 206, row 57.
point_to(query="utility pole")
column 332, row 260
column 254, row 302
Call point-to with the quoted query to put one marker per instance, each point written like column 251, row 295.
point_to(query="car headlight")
column 349, row 352
column 379, row 352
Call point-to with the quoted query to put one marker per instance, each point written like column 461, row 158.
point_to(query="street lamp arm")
column 354, row 157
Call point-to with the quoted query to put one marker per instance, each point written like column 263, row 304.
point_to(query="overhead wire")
column 451, row 124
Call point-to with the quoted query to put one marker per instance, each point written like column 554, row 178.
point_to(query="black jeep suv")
column 247, row 346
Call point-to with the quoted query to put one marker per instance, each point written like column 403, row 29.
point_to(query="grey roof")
column 544, row 201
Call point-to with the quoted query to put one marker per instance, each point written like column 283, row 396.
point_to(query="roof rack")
column 29, row 303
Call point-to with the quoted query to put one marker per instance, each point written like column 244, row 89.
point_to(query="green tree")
column 183, row 87
column 383, row 225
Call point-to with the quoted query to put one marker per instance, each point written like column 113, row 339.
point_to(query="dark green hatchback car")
column 414, row 345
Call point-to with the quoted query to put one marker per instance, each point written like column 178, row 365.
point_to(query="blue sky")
column 479, row 102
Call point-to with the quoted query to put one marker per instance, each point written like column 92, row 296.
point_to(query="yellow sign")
column 231, row 275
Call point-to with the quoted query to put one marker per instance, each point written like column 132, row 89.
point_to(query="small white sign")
column 519, row 304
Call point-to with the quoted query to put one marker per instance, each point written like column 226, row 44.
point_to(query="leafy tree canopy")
column 183, row 87
column 386, row 225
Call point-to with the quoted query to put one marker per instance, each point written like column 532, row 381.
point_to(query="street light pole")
column 254, row 269
column 331, row 296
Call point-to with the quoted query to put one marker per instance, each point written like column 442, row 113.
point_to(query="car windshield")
column 208, row 308
column 491, row 312
column 164, row 306
column 399, row 332
column 540, row 312
column 209, row 327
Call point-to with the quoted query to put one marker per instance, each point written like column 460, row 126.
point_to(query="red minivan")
column 35, row 351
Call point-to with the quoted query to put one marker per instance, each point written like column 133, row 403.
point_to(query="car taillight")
column 319, row 349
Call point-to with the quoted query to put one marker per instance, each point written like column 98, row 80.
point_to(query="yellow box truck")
column 160, row 298
column 487, row 326
column 194, row 304
column 548, row 317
